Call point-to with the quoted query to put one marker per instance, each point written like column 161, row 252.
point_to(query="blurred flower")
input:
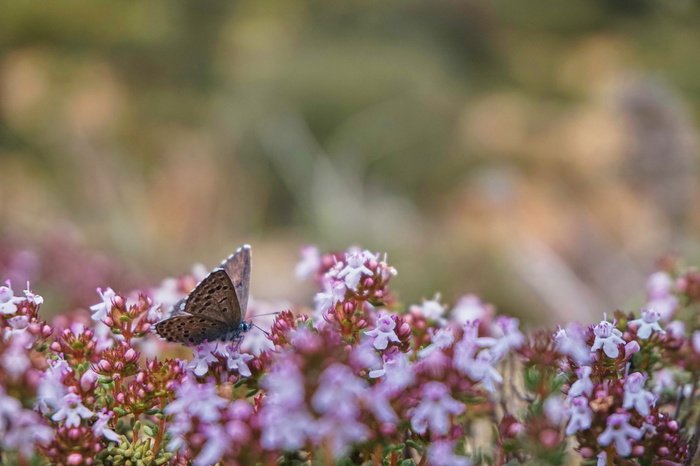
column 620, row 432
column 434, row 410
column 441, row 453
column 647, row 324
column 480, row 369
column 635, row 396
column 100, row 426
column 309, row 264
column 202, row 357
column 583, row 385
column 8, row 301
column 431, row 309
column 573, row 345
column 440, row 339
column 237, row 361
column 581, row 415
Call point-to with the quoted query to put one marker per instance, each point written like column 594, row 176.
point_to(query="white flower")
column 434, row 409
column 581, row 415
column 481, row 370
column 619, row 432
column 237, row 361
column 100, row 426
column 384, row 332
column 99, row 311
column 203, row 356
column 440, row 340
column 8, row 300
column 608, row 338
column 583, row 384
column 72, row 410
column 648, row 323
column 431, row 309
column 635, row 396
column 354, row 270
column 468, row 309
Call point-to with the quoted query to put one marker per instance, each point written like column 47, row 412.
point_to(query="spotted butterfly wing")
column 214, row 310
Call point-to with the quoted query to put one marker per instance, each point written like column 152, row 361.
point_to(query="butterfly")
column 216, row 308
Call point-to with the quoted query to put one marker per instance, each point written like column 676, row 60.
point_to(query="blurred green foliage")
column 486, row 145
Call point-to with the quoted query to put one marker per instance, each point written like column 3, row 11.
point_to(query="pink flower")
column 441, row 453
column 648, row 323
column 354, row 270
column 581, row 415
column 620, row 432
column 635, row 396
column 434, row 410
column 72, row 411
column 384, row 332
column 608, row 338
column 309, row 264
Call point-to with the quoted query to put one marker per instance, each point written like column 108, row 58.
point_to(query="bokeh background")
column 540, row 153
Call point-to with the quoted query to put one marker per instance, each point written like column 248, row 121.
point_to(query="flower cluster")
column 351, row 381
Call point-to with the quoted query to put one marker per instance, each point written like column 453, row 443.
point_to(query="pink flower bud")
column 46, row 331
column 369, row 283
column 387, row 429
column 75, row 458
column 631, row 348
column 131, row 355
column 672, row 426
column 121, row 398
column 140, row 377
column 549, row 438
column 587, row 452
column 118, row 301
column 663, row 451
column 119, row 366
column 88, row 379
column 55, row 346
column 638, row 450
column 74, row 434
column 104, row 365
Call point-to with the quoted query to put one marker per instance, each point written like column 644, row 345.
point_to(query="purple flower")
column 396, row 372
column 608, row 338
column 581, row 415
column 635, row 395
column 72, row 411
column 480, row 369
column 583, row 384
column 100, row 428
column 339, row 392
column 364, row 356
column 441, row 453
column 470, row 342
column 27, row 430
column 334, row 291
column 203, row 356
column 620, row 432
column 660, row 295
column 218, row 442
column 50, row 389
column 648, row 323
column 309, row 264
column 237, row 361
column 440, row 339
column 10, row 408
column 554, row 408
column 14, row 360
column 355, row 269
column 571, row 342
column 99, row 311
column 378, row 402
column 511, row 336
column 383, row 333
column 434, row 410
column 197, row 399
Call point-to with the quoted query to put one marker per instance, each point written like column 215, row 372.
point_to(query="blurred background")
column 540, row 153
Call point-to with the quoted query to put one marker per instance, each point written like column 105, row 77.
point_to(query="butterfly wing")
column 214, row 298
column 188, row 330
column 237, row 266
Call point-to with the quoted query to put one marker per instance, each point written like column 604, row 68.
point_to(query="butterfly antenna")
column 267, row 314
column 267, row 334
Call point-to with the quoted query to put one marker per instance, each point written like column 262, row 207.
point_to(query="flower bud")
column 638, row 450
column 74, row 459
column 131, row 355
